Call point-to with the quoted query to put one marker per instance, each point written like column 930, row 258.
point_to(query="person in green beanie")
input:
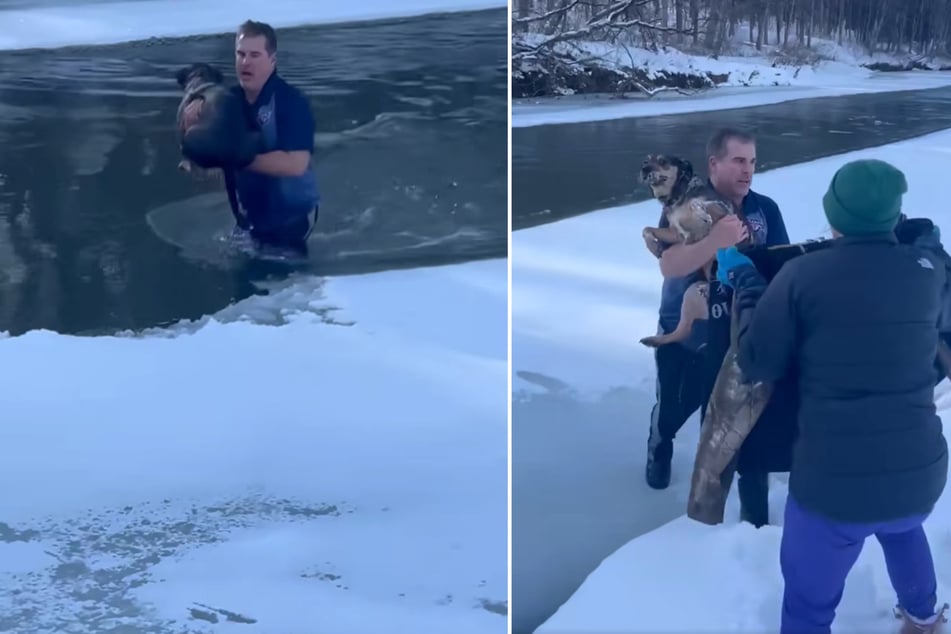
column 865, row 197
column 870, row 457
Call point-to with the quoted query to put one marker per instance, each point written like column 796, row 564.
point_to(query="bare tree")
column 915, row 27
column 548, row 34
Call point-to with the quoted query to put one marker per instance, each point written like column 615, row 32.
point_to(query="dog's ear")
column 686, row 167
column 181, row 76
column 214, row 75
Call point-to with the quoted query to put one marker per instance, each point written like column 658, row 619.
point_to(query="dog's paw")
column 654, row 341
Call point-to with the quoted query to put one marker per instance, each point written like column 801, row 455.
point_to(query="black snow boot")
column 754, row 498
column 657, row 471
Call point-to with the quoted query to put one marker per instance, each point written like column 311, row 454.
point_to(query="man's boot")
column 910, row 625
column 657, row 471
column 754, row 498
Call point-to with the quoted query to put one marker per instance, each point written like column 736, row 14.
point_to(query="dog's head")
column 196, row 74
column 662, row 173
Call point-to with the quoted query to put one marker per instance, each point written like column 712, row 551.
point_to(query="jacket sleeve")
column 766, row 323
column 930, row 243
column 776, row 232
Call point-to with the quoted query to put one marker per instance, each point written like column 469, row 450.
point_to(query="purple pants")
column 817, row 553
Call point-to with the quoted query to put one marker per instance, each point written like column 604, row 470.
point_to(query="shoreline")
column 580, row 81
column 592, row 107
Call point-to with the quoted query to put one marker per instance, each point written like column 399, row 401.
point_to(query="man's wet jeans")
column 680, row 379
column 291, row 236
column 679, row 394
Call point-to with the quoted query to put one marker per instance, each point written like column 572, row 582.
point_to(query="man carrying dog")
column 871, row 457
column 278, row 189
column 686, row 373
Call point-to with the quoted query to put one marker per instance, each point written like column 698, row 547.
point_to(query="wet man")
column 277, row 191
column 686, row 372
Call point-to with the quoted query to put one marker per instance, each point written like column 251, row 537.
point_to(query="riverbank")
column 624, row 81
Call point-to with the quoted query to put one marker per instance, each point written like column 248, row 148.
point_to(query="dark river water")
column 100, row 232
column 560, row 171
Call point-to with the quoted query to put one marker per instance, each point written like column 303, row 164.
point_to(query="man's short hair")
column 716, row 146
column 250, row 28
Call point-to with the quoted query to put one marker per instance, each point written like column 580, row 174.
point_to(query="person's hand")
column 191, row 114
column 727, row 232
column 653, row 244
column 728, row 260
column 200, row 174
column 918, row 231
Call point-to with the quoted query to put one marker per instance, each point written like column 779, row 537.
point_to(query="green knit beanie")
column 865, row 197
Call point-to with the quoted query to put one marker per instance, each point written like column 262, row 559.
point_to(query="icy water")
column 100, row 232
column 559, row 171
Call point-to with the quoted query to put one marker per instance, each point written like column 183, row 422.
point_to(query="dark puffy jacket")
column 856, row 326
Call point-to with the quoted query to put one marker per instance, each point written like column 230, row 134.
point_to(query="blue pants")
column 817, row 553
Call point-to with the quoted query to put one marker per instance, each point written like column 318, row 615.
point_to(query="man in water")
column 277, row 191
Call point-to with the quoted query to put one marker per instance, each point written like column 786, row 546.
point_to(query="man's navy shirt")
column 283, row 115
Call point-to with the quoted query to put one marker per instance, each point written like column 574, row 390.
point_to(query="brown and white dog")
column 689, row 204
column 691, row 208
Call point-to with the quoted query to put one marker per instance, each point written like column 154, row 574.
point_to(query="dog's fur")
column 691, row 208
column 222, row 137
column 689, row 204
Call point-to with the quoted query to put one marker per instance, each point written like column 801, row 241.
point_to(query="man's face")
column 252, row 63
column 732, row 175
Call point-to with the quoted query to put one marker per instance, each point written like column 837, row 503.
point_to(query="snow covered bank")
column 731, row 81
column 346, row 469
column 583, row 292
column 830, row 83
column 114, row 22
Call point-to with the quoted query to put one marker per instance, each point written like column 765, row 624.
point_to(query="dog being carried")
column 222, row 137
column 690, row 208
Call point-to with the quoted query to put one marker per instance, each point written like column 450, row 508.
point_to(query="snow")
column 620, row 557
column 115, row 22
column 752, row 81
column 332, row 455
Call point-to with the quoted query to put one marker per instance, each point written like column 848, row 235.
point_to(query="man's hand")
column 280, row 163
column 653, row 244
column 683, row 259
column 728, row 232
column 191, row 114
